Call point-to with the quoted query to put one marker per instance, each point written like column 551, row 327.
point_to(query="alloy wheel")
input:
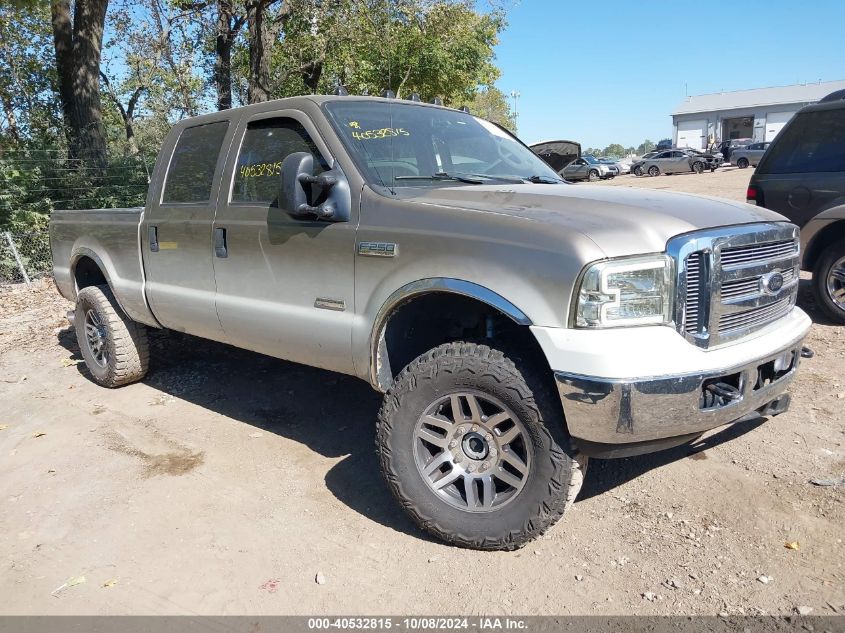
column 836, row 283
column 472, row 451
column 96, row 337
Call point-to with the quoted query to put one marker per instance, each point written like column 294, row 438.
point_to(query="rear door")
column 285, row 285
column 803, row 171
column 176, row 230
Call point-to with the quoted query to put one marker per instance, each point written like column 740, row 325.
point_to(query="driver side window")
column 266, row 143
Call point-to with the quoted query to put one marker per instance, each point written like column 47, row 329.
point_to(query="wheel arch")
column 431, row 293
column 824, row 237
column 87, row 268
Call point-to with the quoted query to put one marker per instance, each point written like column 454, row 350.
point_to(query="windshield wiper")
column 442, row 175
column 547, row 180
column 475, row 179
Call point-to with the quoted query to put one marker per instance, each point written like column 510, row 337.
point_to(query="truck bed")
column 110, row 238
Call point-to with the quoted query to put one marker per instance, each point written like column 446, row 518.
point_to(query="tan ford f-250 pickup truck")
column 517, row 324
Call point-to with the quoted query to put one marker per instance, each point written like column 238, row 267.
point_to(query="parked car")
column 558, row 154
column 516, row 324
column 589, row 168
column 742, row 157
column 621, row 166
column 728, row 146
column 711, row 161
column 673, row 161
column 802, row 176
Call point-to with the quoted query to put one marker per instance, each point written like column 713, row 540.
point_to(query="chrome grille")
column 735, row 280
column 693, row 292
column 755, row 316
column 744, row 255
column 750, row 285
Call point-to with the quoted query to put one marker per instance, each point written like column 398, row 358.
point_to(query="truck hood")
column 620, row 220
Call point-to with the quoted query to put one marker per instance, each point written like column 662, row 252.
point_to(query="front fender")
column 378, row 379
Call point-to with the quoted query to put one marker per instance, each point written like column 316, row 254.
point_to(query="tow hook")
column 806, row 352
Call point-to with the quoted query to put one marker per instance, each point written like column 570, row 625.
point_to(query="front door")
column 176, row 231
column 285, row 286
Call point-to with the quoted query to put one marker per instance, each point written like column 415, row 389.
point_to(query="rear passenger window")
column 266, row 144
column 191, row 172
column 813, row 142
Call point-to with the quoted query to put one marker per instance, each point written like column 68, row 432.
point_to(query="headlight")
column 625, row 291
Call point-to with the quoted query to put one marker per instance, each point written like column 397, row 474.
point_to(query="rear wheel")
column 654, row 170
column 638, row 170
column 475, row 449
column 593, row 175
column 698, row 167
column 829, row 281
column 742, row 163
column 114, row 347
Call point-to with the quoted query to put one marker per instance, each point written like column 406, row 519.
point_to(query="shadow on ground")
column 332, row 414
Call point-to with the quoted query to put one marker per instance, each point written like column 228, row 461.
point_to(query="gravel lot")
column 227, row 481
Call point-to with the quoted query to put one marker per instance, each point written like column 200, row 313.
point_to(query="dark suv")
column 802, row 176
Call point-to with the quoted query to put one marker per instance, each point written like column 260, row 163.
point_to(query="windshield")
column 408, row 145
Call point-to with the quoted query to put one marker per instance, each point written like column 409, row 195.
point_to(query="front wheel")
column 654, row 170
column 638, row 171
column 829, row 282
column 742, row 163
column 698, row 167
column 593, row 175
column 475, row 449
column 114, row 347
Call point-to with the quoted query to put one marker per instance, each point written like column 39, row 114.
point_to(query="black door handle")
column 220, row 243
column 152, row 232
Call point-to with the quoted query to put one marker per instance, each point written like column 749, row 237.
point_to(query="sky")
column 613, row 71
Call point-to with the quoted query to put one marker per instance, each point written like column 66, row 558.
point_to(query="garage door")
column 691, row 134
column 775, row 122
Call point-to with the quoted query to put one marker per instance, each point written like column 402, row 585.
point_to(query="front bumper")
column 649, row 409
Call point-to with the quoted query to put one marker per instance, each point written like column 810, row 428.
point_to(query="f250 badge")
column 378, row 249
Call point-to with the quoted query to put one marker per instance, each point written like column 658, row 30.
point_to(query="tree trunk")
column 63, row 46
column 88, row 22
column 228, row 25
column 262, row 30
column 78, row 44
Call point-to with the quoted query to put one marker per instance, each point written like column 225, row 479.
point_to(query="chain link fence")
column 24, row 257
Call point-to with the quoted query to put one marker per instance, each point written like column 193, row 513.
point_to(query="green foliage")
column 158, row 56
column 432, row 47
column 491, row 103
column 645, row 147
column 34, row 182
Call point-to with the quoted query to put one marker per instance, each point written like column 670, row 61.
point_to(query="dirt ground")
column 227, row 481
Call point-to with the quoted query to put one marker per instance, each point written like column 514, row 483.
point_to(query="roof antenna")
column 414, row 96
column 340, row 91
column 388, row 94
column 437, row 101
column 465, row 109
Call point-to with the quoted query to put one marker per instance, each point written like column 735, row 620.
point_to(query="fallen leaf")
column 256, row 435
column 791, row 545
column 70, row 582
column 110, row 583
column 68, row 362
column 3, row 427
column 38, row 434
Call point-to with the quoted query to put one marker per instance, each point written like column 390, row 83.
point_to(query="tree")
column 28, row 106
column 491, row 103
column 228, row 25
column 615, row 150
column 78, row 43
column 645, row 147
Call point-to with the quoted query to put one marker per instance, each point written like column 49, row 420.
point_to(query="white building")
column 759, row 114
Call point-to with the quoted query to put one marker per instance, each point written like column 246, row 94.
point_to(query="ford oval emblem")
column 772, row 283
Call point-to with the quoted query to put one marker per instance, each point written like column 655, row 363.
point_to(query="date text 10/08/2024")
column 418, row 623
